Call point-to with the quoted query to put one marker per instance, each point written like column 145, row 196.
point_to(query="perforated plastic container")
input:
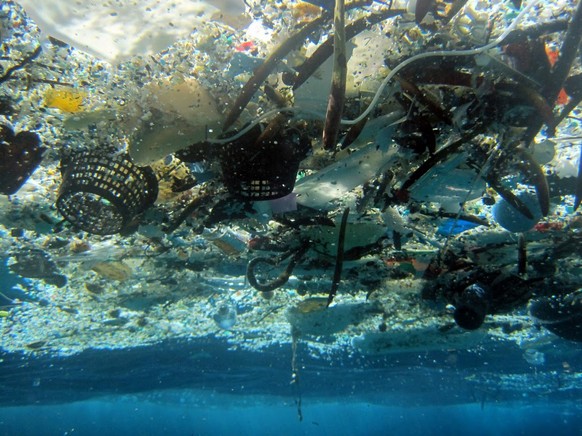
column 266, row 171
column 102, row 194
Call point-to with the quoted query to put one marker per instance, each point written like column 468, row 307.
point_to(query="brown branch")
column 567, row 56
column 325, row 50
column 337, row 93
column 263, row 71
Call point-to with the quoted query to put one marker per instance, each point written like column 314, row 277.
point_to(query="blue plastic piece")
column 514, row 221
column 446, row 227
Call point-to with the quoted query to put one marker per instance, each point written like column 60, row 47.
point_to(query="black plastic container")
column 102, row 193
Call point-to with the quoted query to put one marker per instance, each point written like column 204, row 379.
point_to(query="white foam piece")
column 115, row 30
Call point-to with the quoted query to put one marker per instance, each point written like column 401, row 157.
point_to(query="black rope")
column 339, row 258
column 21, row 65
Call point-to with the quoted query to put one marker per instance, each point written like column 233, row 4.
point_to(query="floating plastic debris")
column 118, row 271
column 440, row 129
column 225, row 317
column 36, row 264
column 560, row 314
column 511, row 219
column 102, row 194
column 125, row 28
column 242, row 63
column 231, row 242
column 472, row 306
column 311, row 305
column 66, row 100
column 245, row 46
column 20, row 155
column 175, row 114
column 534, row 357
column 256, row 169
column 451, row 226
column 320, row 189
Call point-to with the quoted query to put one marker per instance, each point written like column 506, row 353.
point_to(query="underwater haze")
column 291, row 217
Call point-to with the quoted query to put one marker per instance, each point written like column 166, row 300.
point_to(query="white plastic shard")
column 375, row 152
column 450, row 184
column 320, row 189
column 115, row 30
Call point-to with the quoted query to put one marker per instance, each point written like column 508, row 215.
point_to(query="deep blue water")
column 122, row 416
column 200, row 387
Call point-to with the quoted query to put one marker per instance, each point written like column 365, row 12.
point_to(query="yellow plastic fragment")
column 67, row 100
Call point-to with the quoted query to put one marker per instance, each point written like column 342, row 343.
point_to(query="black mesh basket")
column 265, row 171
column 102, row 194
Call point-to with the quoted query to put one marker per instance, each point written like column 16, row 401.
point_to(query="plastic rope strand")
column 419, row 56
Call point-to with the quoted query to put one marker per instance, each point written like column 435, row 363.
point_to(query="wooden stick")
column 560, row 71
column 325, row 50
column 567, row 56
column 337, row 94
column 263, row 71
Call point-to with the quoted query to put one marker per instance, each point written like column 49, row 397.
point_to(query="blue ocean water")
column 123, row 416
column 203, row 388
